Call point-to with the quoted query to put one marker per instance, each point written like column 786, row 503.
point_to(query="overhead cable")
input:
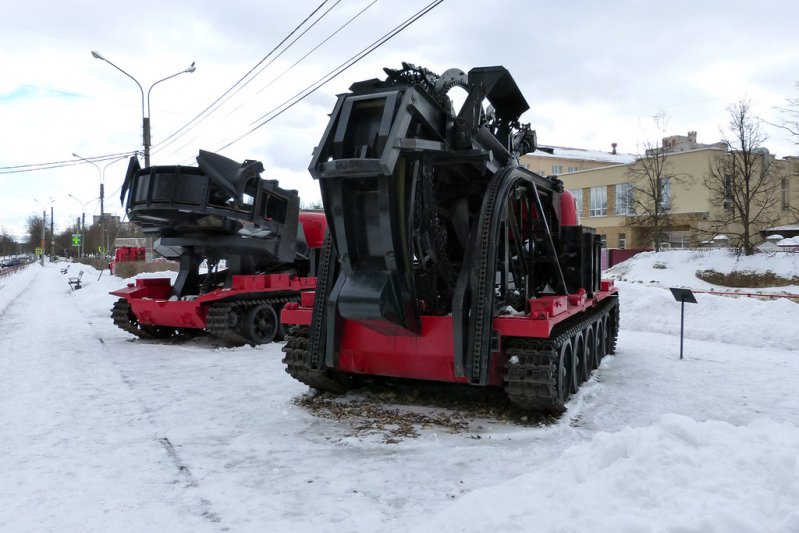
column 291, row 102
column 241, row 81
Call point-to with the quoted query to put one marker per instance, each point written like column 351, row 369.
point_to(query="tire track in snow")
column 185, row 476
column 68, row 387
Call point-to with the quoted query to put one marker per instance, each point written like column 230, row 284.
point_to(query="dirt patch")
column 746, row 279
column 401, row 411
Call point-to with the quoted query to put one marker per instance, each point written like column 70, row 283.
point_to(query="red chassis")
column 149, row 298
column 429, row 356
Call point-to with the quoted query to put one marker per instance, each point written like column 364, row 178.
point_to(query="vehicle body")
column 446, row 260
column 243, row 247
column 124, row 254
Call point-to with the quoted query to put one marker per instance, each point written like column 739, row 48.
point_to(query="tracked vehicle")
column 446, row 260
column 243, row 247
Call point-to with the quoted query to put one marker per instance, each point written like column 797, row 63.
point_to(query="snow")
column 104, row 432
column 582, row 154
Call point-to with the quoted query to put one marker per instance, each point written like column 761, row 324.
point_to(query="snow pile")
column 15, row 284
column 740, row 321
column 208, row 438
column 676, row 475
column 678, row 268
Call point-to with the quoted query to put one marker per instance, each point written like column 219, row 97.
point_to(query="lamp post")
column 145, row 111
column 82, row 221
column 103, row 236
column 44, row 226
column 102, row 194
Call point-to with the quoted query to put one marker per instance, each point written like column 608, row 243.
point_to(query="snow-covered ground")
column 103, row 432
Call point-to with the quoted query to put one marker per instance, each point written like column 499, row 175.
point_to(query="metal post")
column 682, row 323
column 82, row 231
column 52, row 235
column 102, row 216
column 44, row 223
column 146, row 129
column 682, row 296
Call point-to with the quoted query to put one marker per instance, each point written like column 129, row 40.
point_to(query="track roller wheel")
column 567, row 371
column 580, row 350
column 261, row 324
column 589, row 351
column 601, row 341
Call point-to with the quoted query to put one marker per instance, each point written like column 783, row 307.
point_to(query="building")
column 685, row 143
column 603, row 196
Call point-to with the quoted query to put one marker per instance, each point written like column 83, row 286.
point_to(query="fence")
column 7, row 271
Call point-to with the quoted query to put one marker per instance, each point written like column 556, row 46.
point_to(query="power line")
column 291, row 102
column 33, row 167
column 315, row 48
column 210, row 108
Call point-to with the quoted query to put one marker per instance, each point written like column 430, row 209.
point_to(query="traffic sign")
column 76, row 239
column 38, row 251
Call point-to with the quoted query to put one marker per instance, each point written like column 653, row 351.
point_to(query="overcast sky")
column 593, row 73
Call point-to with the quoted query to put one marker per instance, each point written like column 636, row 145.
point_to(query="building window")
column 603, row 240
column 664, row 187
column 599, row 201
column 624, row 199
column 573, row 169
column 622, row 241
column 785, row 201
column 727, row 193
column 677, row 239
column 557, row 169
column 578, row 199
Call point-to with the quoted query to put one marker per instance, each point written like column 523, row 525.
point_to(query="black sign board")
column 683, row 295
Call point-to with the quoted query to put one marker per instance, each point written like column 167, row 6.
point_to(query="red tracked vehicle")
column 446, row 259
column 218, row 213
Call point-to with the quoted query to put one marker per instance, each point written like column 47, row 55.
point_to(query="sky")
column 129, row 435
column 593, row 73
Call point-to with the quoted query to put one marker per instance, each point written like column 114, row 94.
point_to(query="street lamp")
column 103, row 236
column 82, row 221
column 44, row 225
column 145, row 112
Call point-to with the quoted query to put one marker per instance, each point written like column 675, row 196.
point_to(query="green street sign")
column 76, row 239
column 38, row 251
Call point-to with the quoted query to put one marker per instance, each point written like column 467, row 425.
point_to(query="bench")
column 74, row 281
column 64, row 270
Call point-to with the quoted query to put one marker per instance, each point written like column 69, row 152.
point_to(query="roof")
column 581, row 154
column 790, row 227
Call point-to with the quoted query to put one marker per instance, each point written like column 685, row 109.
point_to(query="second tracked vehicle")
column 243, row 247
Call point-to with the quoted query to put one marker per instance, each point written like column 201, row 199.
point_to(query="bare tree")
column 790, row 123
column 648, row 195
column 8, row 246
column 741, row 182
column 34, row 226
column 790, row 118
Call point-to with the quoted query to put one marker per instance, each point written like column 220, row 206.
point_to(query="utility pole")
column 102, row 216
column 52, row 235
column 41, row 246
